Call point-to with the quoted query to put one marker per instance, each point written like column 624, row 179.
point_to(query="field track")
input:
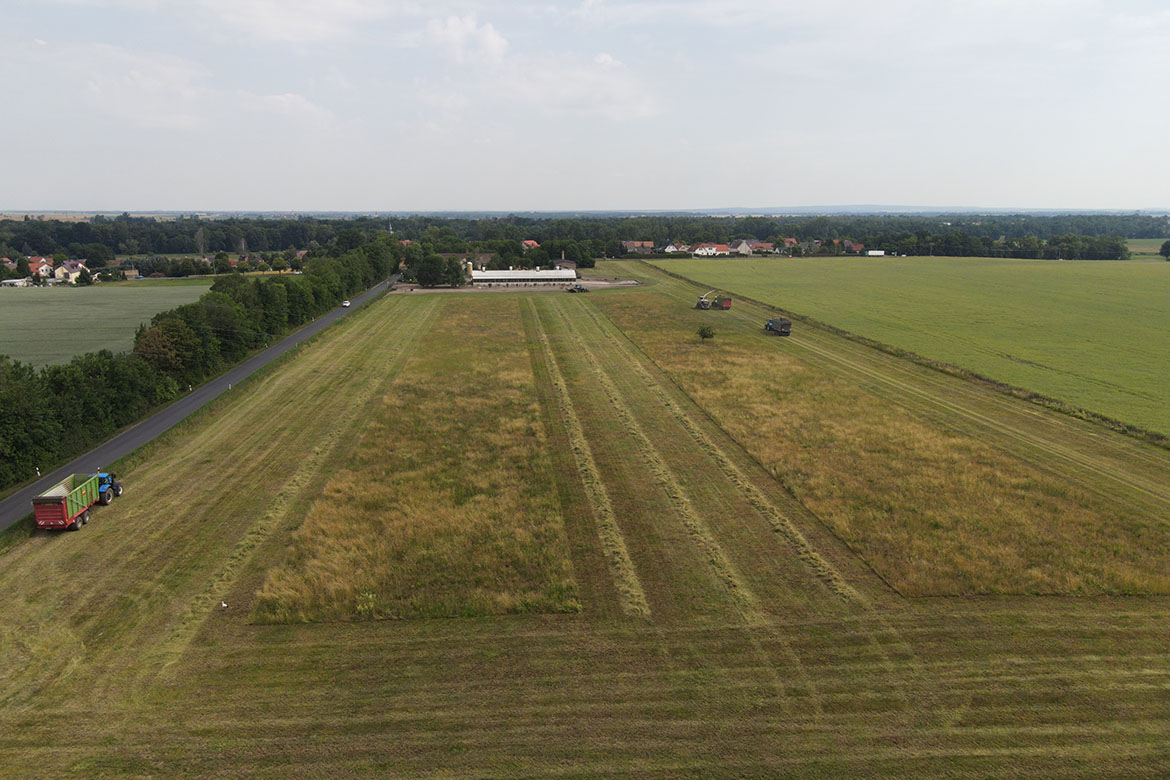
column 724, row 632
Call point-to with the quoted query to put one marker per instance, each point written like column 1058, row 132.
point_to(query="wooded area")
column 54, row 413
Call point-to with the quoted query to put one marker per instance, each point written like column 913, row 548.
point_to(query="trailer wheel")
column 85, row 517
column 75, row 525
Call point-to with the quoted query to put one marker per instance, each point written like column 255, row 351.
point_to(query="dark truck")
column 65, row 506
column 779, row 326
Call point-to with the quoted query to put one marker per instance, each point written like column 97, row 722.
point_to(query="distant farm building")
column 524, row 276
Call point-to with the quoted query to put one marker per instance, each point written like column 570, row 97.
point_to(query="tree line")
column 51, row 414
column 101, row 239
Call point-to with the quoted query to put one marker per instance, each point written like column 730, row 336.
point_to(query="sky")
column 405, row 105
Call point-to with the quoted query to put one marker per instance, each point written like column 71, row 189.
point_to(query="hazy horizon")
column 394, row 106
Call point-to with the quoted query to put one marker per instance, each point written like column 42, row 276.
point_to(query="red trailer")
column 66, row 505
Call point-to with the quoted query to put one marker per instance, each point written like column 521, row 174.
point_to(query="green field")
column 750, row 557
column 1145, row 247
column 47, row 325
column 1091, row 334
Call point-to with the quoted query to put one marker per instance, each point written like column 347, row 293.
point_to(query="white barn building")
column 524, row 276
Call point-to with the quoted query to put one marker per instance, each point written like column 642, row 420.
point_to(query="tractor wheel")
column 107, row 497
column 118, row 489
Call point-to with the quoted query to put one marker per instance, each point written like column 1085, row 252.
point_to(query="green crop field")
column 47, row 325
column 1091, row 334
column 528, row 535
column 1145, row 247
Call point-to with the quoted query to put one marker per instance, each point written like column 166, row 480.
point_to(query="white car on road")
column 345, row 304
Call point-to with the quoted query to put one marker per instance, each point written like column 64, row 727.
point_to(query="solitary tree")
column 706, row 332
column 1165, row 250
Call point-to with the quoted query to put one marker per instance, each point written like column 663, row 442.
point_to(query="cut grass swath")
column 823, row 569
column 622, row 569
column 742, row 595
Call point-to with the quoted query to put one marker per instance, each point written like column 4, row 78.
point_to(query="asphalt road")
column 17, row 506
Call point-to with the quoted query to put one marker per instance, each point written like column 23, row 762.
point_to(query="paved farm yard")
column 674, row 558
column 47, row 325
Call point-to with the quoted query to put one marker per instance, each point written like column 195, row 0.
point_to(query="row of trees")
column 54, row 413
column 100, row 239
column 1066, row 247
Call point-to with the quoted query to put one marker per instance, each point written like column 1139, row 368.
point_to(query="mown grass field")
column 517, row 458
column 47, row 325
column 1092, row 334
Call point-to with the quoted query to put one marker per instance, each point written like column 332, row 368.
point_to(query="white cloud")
column 296, row 21
column 143, row 89
column 465, row 40
column 288, row 106
column 600, row 90
column 607, row 61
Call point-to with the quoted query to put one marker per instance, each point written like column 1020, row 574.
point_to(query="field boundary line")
column 746, row 600
column 203, row 604
column 617, row 555
column 821, row 568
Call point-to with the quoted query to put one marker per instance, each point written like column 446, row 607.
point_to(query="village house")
column 750, row 247
column 39, row 266
column 528, row 243
column 69, row 271
column 851, row 246
column 9, row 264
column 674, row 247
column 710, row 250
column 638, row 247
